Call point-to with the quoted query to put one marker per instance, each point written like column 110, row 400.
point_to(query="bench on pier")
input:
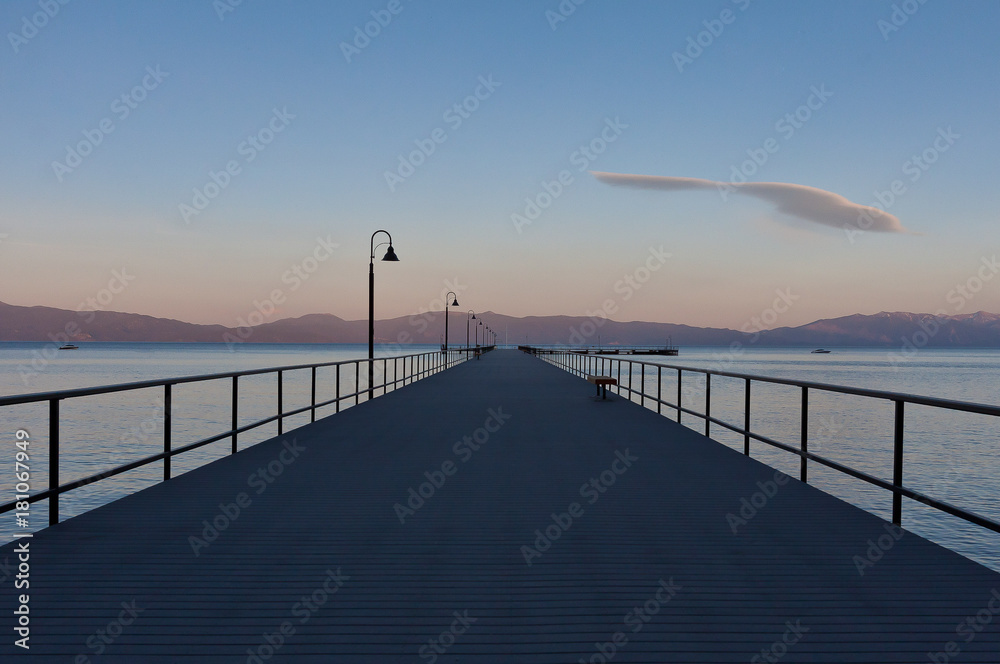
column 602, row 383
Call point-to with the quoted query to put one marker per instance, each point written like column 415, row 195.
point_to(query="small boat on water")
column 69, row 347
column 820, row 350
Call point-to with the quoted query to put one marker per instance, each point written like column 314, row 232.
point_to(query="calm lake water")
column 950, row 456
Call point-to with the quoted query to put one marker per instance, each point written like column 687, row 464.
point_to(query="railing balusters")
column 659, row 390
column 280, row 406
column 804, row 445
column 167, row 406
column 897, row 465
column 53, row 461
column 236, row 394
column 338, row 390
column 708, row 403
column 746, row 418
column 312, row 417
column 572, row 362
column 679, row 411
column 357, row 383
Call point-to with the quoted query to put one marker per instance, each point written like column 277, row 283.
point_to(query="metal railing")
column 585, row 365
column 414, row 367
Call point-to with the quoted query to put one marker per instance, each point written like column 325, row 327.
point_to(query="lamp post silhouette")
column 390, row 255
column 477, row 332
column 454, row 303
column 467, row 319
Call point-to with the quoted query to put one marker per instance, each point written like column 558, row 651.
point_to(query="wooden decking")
column 382, row 590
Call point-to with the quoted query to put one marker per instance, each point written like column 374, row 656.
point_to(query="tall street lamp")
column 454, row 303
column 390, row 255
column 467, row 319
column 477, row 332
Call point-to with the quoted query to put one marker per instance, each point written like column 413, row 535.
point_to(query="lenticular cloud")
column 796, row 200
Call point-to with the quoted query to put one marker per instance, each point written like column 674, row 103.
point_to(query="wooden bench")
column 602, row 383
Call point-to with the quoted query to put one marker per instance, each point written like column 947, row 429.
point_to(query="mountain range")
column 885, row 329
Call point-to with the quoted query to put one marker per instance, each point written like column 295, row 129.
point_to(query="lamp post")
column 477, row 332
column 390, row 255
column 446, row 305
column 467, row 319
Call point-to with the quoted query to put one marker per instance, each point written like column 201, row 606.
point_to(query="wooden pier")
column 495, row 512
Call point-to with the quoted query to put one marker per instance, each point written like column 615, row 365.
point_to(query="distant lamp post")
column 477, row 332
column 467, row 319
column 454, row 303
column 390, row 255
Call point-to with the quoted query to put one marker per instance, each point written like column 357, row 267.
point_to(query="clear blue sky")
column 324, row 173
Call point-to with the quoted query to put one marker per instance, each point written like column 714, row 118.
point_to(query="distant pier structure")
column 666, row 349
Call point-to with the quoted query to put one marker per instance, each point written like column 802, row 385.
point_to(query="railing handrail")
column 966, row 406
column 32, row 397
column 421, row 365
column 581, row 364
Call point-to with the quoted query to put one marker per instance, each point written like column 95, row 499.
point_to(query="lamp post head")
column 455, row 302
column 390, row 255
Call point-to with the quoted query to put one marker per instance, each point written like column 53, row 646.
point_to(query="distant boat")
column 68, row 347
column 820, row 350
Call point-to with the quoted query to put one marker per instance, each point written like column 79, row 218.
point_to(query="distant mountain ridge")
column 884, row 329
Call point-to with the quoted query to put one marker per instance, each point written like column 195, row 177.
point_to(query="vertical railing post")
column 804, row 445
column 642, row 385
column 53, row 461
column 897, row 466
column 312, row 415
column 167, row 406
column 659, row 390
column 746, row 418
column 280, row 406
column 708, row 403
column 630, row 380
column 357, row 384
column 679, row 396
column 385, row 375
column 235, row 411
column 619, row 384
column 338, row 390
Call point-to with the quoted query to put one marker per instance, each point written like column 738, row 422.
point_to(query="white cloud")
column 796, row 200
